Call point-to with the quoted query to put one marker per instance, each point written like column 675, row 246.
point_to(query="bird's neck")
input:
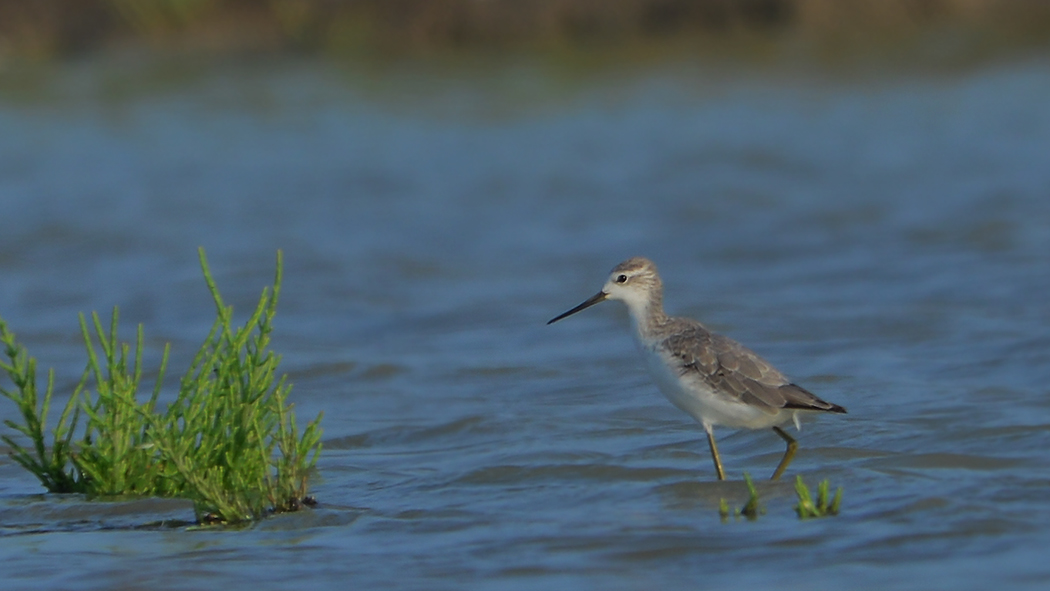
column 647, row 314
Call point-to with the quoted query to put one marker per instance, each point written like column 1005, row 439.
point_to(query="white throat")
column 640, row 307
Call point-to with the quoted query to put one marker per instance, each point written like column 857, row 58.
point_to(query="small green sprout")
column 723, row 509
column 807, row 509
column 751, row 510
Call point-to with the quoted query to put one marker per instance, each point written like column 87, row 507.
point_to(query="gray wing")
column 734, row 369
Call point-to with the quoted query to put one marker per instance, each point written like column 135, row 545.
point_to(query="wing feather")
column 732, row 368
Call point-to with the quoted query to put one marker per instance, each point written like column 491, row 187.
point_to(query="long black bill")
column 596, row 299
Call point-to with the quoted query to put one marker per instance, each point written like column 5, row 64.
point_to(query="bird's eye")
column 621, row 279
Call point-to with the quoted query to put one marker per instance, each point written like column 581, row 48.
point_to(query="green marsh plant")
column 229, row 441
column 751, row 509
column 824, row 505
column 48, row 464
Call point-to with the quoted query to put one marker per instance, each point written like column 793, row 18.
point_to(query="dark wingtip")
column 802, row 399
column 817, row 407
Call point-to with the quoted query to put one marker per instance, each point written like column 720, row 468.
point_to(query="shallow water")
column 883, row 239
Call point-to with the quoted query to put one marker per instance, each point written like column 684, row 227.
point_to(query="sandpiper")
column 711, row 377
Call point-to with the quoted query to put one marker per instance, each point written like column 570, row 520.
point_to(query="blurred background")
column 859, row 191
column 61, row 28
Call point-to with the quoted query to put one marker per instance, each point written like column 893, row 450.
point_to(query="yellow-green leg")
column 714, row 452
column 789, row 454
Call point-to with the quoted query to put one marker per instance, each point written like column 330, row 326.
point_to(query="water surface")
column 883, row 239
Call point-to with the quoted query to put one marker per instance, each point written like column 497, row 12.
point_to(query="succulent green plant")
column 825, row 505
column 229, row 441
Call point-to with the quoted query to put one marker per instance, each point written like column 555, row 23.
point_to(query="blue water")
column 882, row 238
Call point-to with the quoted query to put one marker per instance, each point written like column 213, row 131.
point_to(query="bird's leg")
column 789, row 454
column 714, row 452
